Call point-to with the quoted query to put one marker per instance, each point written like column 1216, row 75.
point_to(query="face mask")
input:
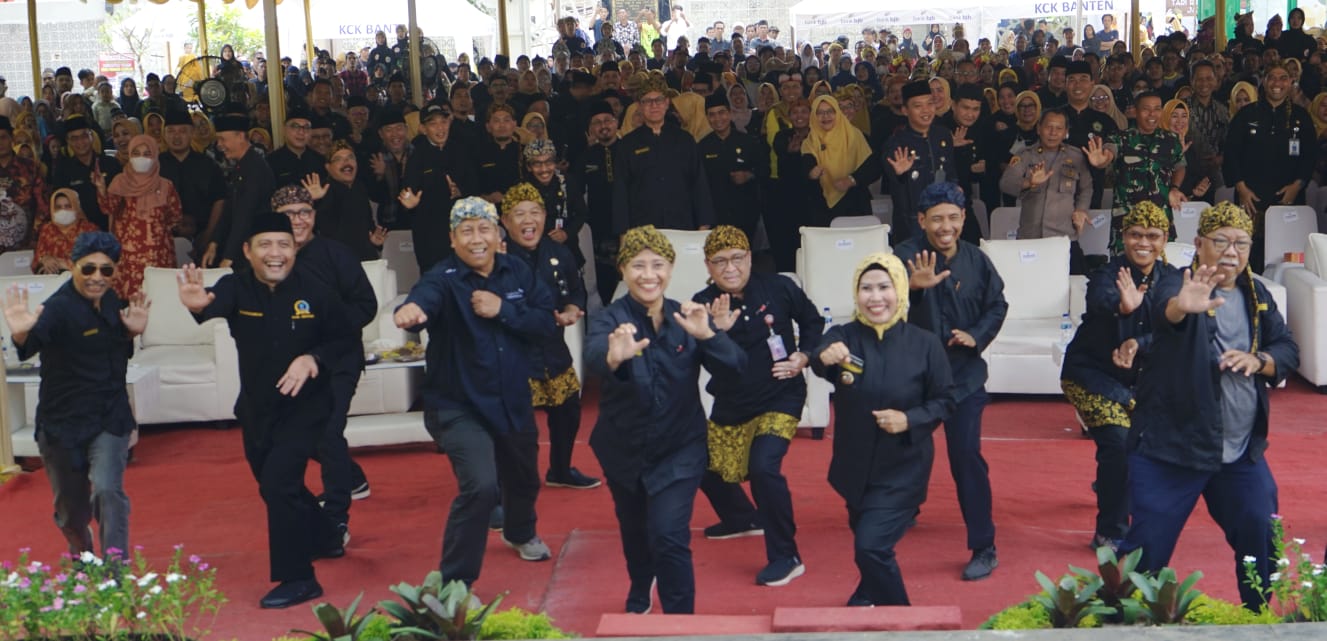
column 64, row 217
column 141, row 164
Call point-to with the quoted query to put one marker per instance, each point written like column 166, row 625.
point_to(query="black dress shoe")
column 292, row 593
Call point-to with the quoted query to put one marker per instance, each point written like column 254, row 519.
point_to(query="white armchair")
column 388, row 390
column 22, row 405
column 1040, row 291
column 1307, row 312
column 198, row 365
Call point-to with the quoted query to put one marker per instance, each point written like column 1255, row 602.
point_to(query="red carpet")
column 192, row 486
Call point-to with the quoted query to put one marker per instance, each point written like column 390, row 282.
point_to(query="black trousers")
column 296, row 526
column 1112, row 480
column 773, row 509
column 656, row 541
column 340, row 473
column 876, row 528
column 479, row 459
column 564, row 421
column 971, row 475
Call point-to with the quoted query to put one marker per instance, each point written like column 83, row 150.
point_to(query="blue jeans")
column 1241, row 498
column 971, row 474
column 95, row 492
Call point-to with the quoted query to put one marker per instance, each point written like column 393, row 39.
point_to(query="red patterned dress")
column 145, row 236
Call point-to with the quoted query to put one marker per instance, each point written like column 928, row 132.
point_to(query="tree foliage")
column 224, row 28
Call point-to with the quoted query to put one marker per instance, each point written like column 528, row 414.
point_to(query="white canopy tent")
column 341, row 19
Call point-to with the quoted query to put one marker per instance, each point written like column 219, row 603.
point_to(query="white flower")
column 173, row 577
column 1317, row 570
column 1299, row 541
column 147, row 579
column 34, row 567
column 142, row 615
column 106, row 585
column 1307, row 585
column 87, row 557
column 1276, row 576
column 1250, row 559
column 12, row 580
column 156, row 589
column 1283, row 562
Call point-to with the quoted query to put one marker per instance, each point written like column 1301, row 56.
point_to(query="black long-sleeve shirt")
column 595, row 177
column 498, row 167
column 553, row 265
column 651, row 426
column 1258, row 149
column 904, row 370
column 272, row 327
column 70, row 172
column 479, row 364
column 738, row 399
column 971, row 299
column 934, row 163
column 659, row 180
column 426, row 172
column 346, row 216
column 85, row 354
column 199, row 182
column 248, row 192
column 855, row 202
column 291, row 169
column 336, row 267
column 734, row 204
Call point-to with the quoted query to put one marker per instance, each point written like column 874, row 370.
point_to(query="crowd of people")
column 631, row 130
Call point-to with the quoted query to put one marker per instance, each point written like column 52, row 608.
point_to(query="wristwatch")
column 1263, row 359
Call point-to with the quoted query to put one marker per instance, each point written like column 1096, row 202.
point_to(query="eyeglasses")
column 88, row 269
column 1221, row 243
column 1027, row 105
column 304, row 212
column 653, row 102
column 734, row 260
column 1100, row 98
column 299, row 127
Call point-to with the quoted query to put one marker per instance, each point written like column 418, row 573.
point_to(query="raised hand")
column 1195, row 295
column 300, row 371
column 379, row 164
column 134, row 316
column 901, row 161
column 695, row 319
column 409, row 315
column 409, row 198
column 836, row 354
column 721, row 310
column 17, row 315
column 378, row 236
column 314, row 183
column 623, row 346
column 1131, row 296
column 193, row 295
column 1097, row 154
column 922, row 267
column 1039, row 175
column 961, row 137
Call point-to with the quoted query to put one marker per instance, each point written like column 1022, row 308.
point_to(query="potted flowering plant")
column 117, row 598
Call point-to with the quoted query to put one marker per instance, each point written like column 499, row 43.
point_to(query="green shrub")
column 1027, row 615
column 378, row 628
column 519, row 624
column 1209, row 611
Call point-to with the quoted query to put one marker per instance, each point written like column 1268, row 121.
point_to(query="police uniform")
column 1047, row 209
column 273, row 326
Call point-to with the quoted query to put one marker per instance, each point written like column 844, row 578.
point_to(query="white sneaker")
column 532, row 550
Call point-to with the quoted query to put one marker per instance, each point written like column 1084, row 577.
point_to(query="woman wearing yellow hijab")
column 204, row 134
column 836, row 154
column 1241, row 94
column 691, row 108
column 1027, row 112
column 533, row 127
column 892, row 387
column 1318, row 112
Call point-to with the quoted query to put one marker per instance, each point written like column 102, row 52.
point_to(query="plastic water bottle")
column 829, row 317
column 1066, row 329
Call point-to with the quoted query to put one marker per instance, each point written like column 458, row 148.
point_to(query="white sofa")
column 197, row 365
column 384, row 391
column 1307, row 311
column 1040, row 291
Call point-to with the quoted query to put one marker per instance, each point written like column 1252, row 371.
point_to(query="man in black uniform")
column 388, row 167
column 917, row 155
column 197, row 179
column 438, row 172
column 1270, row 154
column 79, row 171
column 595, row 176
column 337, row 268
column 659, row 177
column 734, row 164
column 498, row 154
column 564, row 215
column 289, row 329
column 1084, row 122
column 293, row 163
column 248, row 189
column 974, row 145
column 1053, row 94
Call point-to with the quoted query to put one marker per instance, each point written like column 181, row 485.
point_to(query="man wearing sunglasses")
column 291, row 331
column 1201, row 421
column 84, row 333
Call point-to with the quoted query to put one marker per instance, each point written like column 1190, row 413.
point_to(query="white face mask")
column 64, row 217
column 141, row 164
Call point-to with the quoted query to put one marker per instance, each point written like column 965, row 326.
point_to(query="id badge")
column 940, row 175
column 776, row 349
column 1294, row 147
column 557, row 223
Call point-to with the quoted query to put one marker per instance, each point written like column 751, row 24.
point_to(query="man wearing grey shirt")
column 1201, row 419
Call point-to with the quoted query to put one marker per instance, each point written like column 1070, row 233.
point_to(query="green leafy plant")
column 1207, row 610
column 1116, row 589
column 1163, row 598
column 435, row 610
column 340, row 626
column 89, row 597
column 1068, row 602
column 518, row 624
column 1027, row 615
